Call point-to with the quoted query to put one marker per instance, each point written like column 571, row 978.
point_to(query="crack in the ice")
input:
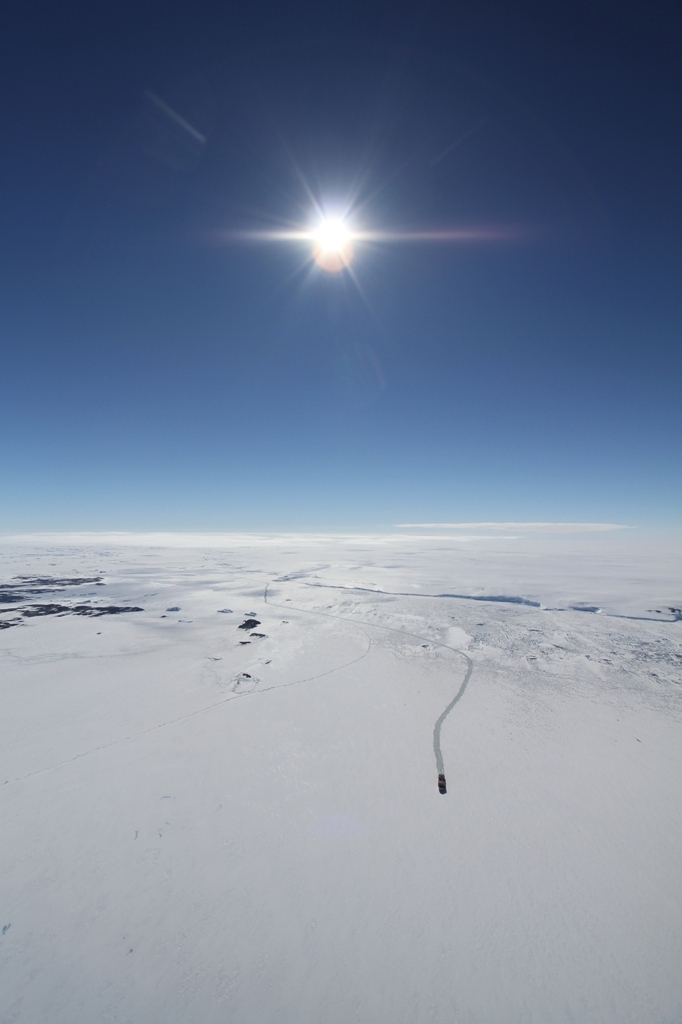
column 192, row 714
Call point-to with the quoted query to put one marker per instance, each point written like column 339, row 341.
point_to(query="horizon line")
column 561, row 527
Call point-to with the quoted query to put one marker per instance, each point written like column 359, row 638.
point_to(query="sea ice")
column 194, row 831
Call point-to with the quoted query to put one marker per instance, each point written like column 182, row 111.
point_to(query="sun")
column 332, row 245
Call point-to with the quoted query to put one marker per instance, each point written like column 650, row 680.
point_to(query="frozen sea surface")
column 203, row 822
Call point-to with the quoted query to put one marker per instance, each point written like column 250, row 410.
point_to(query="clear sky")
column 162, row 372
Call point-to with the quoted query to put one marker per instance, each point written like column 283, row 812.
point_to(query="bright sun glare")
column 332, row 246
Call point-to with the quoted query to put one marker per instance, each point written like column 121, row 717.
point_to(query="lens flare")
column 332, row 246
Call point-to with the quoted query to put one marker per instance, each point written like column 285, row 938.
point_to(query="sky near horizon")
column 164, row 369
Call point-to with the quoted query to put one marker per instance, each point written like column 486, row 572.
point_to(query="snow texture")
column 202, row 823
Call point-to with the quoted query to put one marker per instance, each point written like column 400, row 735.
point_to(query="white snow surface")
column 200, row 824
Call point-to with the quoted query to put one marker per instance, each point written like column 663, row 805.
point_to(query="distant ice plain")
column 203, row 826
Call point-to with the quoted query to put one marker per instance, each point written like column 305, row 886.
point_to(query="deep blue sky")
column 156, row 375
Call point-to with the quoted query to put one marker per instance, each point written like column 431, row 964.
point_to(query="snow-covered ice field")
column 209, row 823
